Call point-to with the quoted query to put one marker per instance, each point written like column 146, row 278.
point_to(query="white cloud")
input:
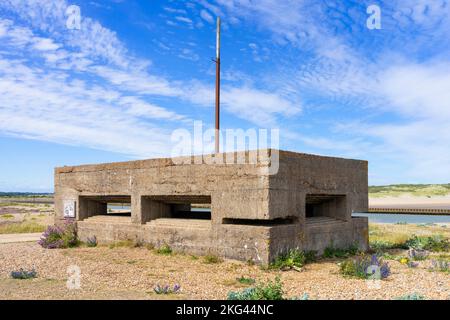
column 206, row 16
column 253, row 105
column 189, row 54
column 418, row 90
column 45, row 44
column 184, row 19
column 46, row 107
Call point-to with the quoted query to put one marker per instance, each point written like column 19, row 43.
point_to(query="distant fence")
column 423, row 211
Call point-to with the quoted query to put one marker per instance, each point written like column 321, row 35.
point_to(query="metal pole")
column 217, row 85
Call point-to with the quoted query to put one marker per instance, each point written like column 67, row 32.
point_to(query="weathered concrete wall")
column 243, row 192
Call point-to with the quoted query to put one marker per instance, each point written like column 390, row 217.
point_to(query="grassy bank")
column 418, row 190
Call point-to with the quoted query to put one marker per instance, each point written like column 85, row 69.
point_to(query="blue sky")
column 137, row 70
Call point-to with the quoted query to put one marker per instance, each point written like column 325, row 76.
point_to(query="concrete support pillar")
column 88, row 208
column 143, row 209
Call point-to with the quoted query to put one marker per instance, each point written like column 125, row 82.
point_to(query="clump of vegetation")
column 167, row 289
column 7, row 216
column 332, row 252
column 211, row 258
column 272, row 290
column 305, row 296
column 440, row 265
column 379, row 245
column 413, row 296
column 434, row 243
column 417, row 254
column 165, row 249
column 23, row 274
column 245, row 280
column 91, row 241
column 293, row 259
column 60, row 236
column 408, row 262
column 365, row 267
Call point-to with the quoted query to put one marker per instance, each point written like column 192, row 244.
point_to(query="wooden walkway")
column 424, row 211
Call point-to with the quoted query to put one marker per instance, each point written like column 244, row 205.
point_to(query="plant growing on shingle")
column 272, row 290
column 365, row 267
column 245, row 280
column 91, row 241
column 305, row 296
column 293, row 258
column 417, row 254
column 413, row 296
column 52, row 238
column 166, row 289
column 435, row 243
column 440, row 265
column 211, row 259
column 332, row 252
column 64, row 236
column 165, row 249
column 23, row 274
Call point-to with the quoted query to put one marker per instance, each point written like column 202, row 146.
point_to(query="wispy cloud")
column 206, row 16
column 83, row 87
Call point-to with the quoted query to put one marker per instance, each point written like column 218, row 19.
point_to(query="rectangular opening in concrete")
column 260, row 222
column 320, row 206
column 112, row 206
column 177, row 207
column 122, row 209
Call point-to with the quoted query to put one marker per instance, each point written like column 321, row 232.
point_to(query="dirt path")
column 19, row 237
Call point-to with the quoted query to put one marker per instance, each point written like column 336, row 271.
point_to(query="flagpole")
column 217, row 86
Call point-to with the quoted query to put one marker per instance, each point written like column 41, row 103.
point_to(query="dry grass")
column 22, row 227
column 25, row 218
column 399, row 233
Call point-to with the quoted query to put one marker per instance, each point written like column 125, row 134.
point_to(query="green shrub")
column 91, row 241
column 379, row 245
column 305, row 296
column 23, row 274
column 245, row 280
column 211, row 258
column 413, row 296
column 332, row 252
column 64, row 236
column 360, row 267
column 272, row 290
column 165, row 249
column 440, row 265
column 293, row 258
column 435, row 243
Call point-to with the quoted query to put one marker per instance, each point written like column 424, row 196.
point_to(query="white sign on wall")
column 69, row 209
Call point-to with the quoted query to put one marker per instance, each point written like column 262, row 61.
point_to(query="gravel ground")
column 131, row 273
